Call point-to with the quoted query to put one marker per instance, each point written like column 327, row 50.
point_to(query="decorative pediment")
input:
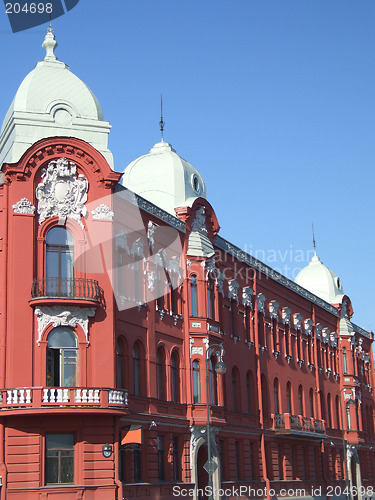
column 102, row 212
column 62, row 316
column 261, row 299
column 285, row 315
column 273, row 309
column 308, row 324
column 247, row 293
column 62, row 192
column 297, row 321
column 233, row 287
column 24, row 206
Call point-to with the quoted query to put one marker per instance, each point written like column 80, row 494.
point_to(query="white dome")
column 52, row 101
column 164, row 178
column 321, row 281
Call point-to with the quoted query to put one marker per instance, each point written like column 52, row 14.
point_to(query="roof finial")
column 162, row 122
column 50, row 44
column 314, row 242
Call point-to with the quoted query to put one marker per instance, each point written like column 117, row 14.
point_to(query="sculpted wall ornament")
column 23, row 206
column 261, row 299
column 199, row 223
column 102, row 212
column 297, row 321
column 121, row 241
column 233, row 287
column 318, row 331
column 325, row 335
column 62, row 192
column 308, row 326
column 137, row 248
column 285, row 315
column 273, row 308
column 151, row 228
column 62, row 316
column 247, row 293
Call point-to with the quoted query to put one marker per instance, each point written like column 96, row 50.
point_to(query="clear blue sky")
column 271, row 100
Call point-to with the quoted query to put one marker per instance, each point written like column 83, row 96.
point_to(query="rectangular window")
column 137, row 463
column 160, row 445
column 59, row 459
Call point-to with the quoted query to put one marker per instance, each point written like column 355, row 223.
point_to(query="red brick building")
column 111, row 304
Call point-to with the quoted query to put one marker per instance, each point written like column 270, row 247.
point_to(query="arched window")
column 210, row 299
column 289, row 397
column 250, row 393
column 265, row 400
column 311, row 399
column 344, row 361
column 160, row 373
column 236, row 390
column 193, row 296
column 59, row 262
column 175, row 380
column 276, row 395
column 120, row 364
column 136, row 370
column 213, row 381
column 196, row 382
column 62, row 358
column 300, row 400
column 338, row 426
column 329, row 410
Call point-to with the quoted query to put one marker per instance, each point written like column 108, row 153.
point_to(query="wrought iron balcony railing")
column 73, row 288
column 289, row 422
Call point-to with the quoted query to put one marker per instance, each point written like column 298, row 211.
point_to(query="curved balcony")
column 46, row 290
column 286, row 423
column 42, row 399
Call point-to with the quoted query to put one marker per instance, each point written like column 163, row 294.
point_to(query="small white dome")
column 164, row 178
column 52, row 101
column 321, row 281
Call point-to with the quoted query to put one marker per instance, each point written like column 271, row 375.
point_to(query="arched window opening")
column 210, row 299
column 120, row 364
column 193, row 296
column 338, row 426
column 136, row 370
column 329, row 411
column 300, row 400
column 344, row 361
column 213, row 381
column 236, row 390
column 59, row 262
column 289, row 397
column 276, row 396
column 311, row 399
column 160, row 374
column 62, row 358
column 250, row 393
column 175, row 381
column 265, row 401
column 196, row 382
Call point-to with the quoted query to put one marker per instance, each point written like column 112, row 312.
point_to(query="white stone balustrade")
column 18, row 396
column 118, row 397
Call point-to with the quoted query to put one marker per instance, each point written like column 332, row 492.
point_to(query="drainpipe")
column 120, row 494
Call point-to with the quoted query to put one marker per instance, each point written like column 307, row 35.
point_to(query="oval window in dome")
column 195, row 183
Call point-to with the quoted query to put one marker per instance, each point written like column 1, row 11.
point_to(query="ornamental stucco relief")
column 23, row 206
column 62, row 192
column 102, row 212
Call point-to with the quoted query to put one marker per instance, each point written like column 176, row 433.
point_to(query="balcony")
column 286, row 423
column 62, row 398
column 78, row 290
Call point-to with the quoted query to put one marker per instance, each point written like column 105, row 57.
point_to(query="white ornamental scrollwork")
column 285, row 315
column 102, row 212
column 61, row 316
column 62, row 192
column 23, row 206
column 261, row 299
column 233, row 287
column 325, row 335
column 247, row 293
column 273, row 309
column 297, row 321
column 308, row 326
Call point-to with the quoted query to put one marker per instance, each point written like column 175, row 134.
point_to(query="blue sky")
column 271, row 100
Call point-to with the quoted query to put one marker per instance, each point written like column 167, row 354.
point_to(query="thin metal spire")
column 162, row 122
column 314, row 242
